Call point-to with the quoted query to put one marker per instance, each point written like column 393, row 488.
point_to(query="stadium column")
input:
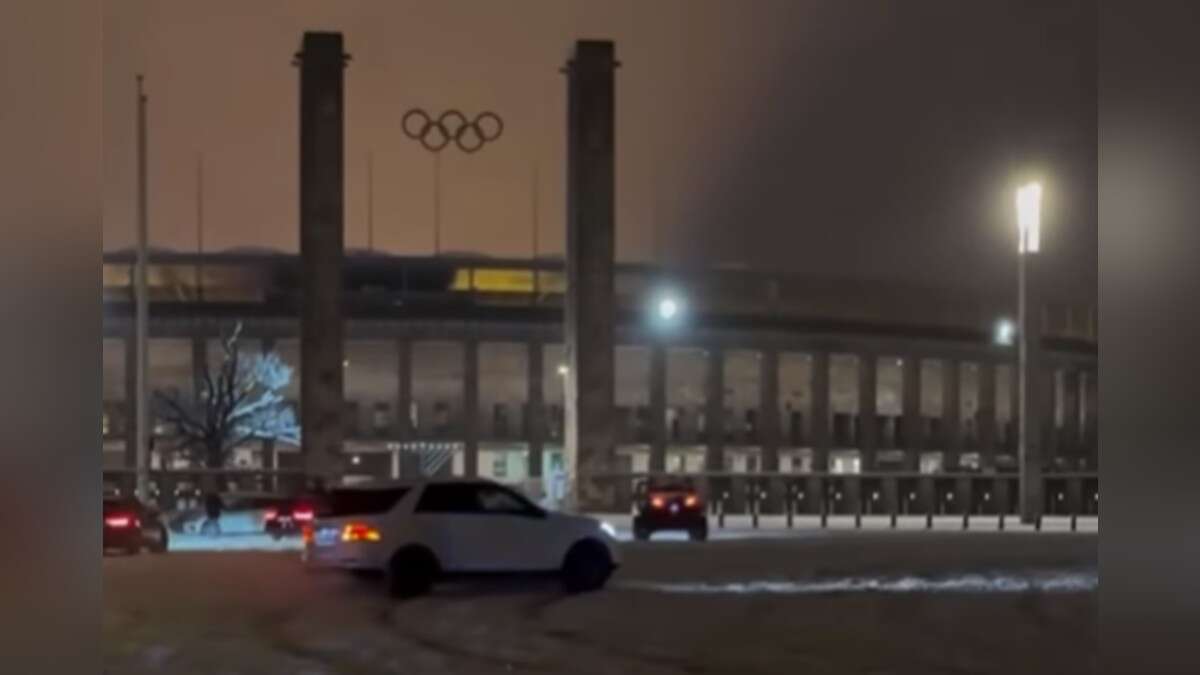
column 658, row 406
column 820, row 427
column 470, row 414
column 199, row 362
column 590, row 309
column 1069, row 442
column 714, row 409
column 403, row 428
column 951, row 408
column 868, row 424
column 536, row 406
column 769, row 428
column 987, row 414
column 913, row 441
column 322, row 62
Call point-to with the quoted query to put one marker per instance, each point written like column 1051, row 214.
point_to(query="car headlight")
column 607, row 528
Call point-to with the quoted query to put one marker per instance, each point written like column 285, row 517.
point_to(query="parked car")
column 418, row 532
column 131, row 526
column 669, row 505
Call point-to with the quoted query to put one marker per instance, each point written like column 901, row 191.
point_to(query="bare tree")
column 240, row 402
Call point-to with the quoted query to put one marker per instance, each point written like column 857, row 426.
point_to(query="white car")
column 417, row 532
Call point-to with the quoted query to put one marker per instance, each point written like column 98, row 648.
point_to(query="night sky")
column 876, row 140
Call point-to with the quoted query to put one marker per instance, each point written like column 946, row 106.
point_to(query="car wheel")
column 586, row 567
column 161, row 545
column 698, row 533
column 411, row 572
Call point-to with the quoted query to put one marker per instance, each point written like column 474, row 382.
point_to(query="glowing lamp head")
column 668, row 308
column 1029, row 216
column 1005, row 331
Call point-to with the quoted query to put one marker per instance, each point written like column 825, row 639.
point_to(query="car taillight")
column 306, row 533
column 657, row 502
column 360, row 532
column 303, row 515
column 691, row 501
column 120, row 521
column 271, row 514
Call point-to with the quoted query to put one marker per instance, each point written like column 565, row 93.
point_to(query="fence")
column 892, row 496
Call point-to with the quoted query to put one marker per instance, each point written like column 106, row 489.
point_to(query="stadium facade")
column 879, row 395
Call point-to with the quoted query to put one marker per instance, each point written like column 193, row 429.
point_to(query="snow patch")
column 1060, row 582
column 233, row 542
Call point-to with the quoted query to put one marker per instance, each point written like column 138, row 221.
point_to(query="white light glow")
column 668, row 308
column 563, row 369
column 1029, row 215
column 1006, row 330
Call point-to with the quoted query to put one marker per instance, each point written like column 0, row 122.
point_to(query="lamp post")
column 142, row 438
column 1029, row 205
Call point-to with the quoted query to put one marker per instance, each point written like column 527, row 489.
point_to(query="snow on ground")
column 826, row 602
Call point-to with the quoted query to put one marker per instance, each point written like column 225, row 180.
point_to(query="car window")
column 500, row 500
column 360, row 502
column 449, row 498
column 121, row 504
column 670, row 487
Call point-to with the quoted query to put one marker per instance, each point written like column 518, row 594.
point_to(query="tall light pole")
column 1029, row 206
column 200, row 226
column 142, row 449
column 370, row 202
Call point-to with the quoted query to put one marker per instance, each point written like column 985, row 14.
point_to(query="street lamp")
column 1029, row 207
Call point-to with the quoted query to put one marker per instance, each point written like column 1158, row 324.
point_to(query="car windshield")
column 120, row 504
column 670, row 487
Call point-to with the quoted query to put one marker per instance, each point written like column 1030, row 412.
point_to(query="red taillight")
column 271, row 514
column 303, row 515
column 360, row 532
column 119, row 522
column 657, row 502
column 691, row 501
column 306, row 533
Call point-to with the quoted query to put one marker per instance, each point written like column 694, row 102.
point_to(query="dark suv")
column 669, row 505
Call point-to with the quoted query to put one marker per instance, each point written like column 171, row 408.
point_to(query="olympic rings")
column 452, row 127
